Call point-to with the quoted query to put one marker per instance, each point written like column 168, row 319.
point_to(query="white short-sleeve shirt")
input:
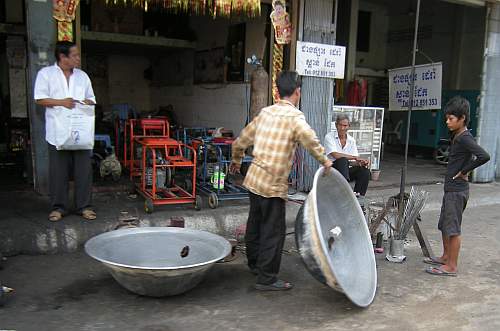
column 332, row 144
column 52, row 84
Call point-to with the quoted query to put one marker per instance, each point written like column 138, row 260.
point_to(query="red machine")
column 141, row 128
column 148, row 127
column 161, row 158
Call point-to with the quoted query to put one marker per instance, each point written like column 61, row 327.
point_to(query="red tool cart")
column 161, row 158
column 141, row 128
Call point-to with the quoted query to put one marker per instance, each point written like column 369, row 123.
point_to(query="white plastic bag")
column 75, row 128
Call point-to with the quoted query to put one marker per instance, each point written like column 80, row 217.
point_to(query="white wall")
column 205, row 105
column 212, row 106
column 210, row 33
column 213, row 33
column 123, row 83
column 379, row 25
column 256, row 39
column 127, row 83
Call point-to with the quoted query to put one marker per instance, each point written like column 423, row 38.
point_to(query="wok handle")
column 334, row 234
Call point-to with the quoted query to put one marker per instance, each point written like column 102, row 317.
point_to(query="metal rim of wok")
column 90, row 245
column 339, row 278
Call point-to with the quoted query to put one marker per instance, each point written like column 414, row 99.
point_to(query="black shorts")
column 450, row 220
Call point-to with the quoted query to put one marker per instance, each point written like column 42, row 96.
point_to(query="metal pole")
column 410, row 107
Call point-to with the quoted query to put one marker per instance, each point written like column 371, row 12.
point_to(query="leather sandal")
column 278, row 285
column 433, row 260
column 89, row 214
column 55, row 216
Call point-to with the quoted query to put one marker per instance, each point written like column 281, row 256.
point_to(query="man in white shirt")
column 63, row 85
column 340, row 147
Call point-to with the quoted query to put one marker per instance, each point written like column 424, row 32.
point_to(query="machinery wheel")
column 188, row 185
column 197, row 203
column 213, row 200
column 441, row 154
column 148, row 206
column 169, row 178
column 132, row 189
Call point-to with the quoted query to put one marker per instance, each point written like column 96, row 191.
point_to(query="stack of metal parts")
column 413, row 207
column 413, row 204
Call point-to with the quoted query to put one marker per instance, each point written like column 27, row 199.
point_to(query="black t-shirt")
column 462, row 150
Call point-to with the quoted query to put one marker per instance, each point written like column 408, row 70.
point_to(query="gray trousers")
column 265, row 236
column 61, row 165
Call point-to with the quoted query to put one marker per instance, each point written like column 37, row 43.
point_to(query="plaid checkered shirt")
column 275, row 133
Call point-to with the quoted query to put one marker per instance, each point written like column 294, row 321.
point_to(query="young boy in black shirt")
column 456, row 186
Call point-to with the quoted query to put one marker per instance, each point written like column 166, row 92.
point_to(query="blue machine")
column 428, row 128
column 218, row 189
column 186, row 135
column 104, row 138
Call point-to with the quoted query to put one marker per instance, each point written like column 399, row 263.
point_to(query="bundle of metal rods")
column 414, row 205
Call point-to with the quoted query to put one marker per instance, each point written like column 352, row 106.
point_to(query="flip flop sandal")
column 440, row 272
column 89, row 215
column 278, row 285
column 55, row 216
column 432, row 260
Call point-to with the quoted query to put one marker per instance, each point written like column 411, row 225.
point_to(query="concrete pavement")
column 73, row 292
column 24, row 228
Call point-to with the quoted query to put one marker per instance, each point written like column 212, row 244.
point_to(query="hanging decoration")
column 282, row 35
column 214, row 8
column 64, row 12
column 281, row 23
column 277, row 67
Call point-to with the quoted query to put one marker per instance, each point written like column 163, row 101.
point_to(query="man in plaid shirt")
column 274, row 135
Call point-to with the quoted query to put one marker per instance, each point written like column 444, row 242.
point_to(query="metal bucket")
column 334, row 241
column 158, row 261
column 397, row 247
column 396, row 251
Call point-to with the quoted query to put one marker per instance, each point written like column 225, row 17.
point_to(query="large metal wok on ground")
column 333, row 239
column 158, row 261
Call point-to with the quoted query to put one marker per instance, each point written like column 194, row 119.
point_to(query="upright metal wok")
column 158, row 261
column 334, row 241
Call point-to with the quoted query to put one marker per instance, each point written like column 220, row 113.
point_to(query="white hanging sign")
column 320, row 60
column 427, row 91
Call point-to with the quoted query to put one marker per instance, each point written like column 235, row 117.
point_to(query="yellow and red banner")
column 64, row 12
